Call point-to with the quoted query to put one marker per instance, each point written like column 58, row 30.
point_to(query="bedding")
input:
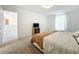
column 78, row 39
column 60, row 43
column 38, row 38
column 76, row 34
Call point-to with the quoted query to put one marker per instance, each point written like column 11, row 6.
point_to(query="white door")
column 10, row 28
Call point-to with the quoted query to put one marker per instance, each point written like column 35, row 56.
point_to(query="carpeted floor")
column 21, row 46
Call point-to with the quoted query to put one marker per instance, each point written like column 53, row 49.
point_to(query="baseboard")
column 24, row 37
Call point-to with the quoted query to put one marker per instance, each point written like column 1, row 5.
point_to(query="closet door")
column 10, row 26
column 1, row 27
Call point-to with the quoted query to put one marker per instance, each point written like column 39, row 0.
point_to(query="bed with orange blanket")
column 37, row 39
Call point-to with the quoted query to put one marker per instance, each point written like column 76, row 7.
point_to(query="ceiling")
column 37, row 8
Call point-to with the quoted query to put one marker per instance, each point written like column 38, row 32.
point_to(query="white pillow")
column 76, row 34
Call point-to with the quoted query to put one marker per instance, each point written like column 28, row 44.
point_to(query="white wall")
column 1, row 8
column 73, row 20
column 26, row 20
column 51, row 22
column 1, row 27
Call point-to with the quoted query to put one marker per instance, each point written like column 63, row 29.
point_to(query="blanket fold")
column 38, row 38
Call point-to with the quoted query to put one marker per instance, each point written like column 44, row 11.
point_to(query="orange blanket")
column 38, row 38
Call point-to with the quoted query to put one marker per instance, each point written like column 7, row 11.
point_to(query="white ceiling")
column 39, row 9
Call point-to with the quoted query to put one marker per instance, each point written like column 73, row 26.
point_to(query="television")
column 35, row 24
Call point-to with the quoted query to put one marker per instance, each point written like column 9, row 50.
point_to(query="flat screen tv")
column 35, row 24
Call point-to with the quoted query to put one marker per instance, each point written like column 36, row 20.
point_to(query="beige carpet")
column 20, row 46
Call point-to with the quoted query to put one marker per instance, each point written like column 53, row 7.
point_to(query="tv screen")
column 35, row 24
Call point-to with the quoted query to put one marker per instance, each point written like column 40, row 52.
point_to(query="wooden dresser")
column 35, row 30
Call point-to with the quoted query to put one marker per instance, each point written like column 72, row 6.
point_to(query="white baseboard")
column 24, row 37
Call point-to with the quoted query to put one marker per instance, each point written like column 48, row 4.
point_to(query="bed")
column 56, row 43
column 37, row 39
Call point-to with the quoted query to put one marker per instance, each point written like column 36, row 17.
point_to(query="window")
column 60, row 22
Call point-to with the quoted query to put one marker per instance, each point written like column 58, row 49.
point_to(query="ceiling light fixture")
column 47, row 6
